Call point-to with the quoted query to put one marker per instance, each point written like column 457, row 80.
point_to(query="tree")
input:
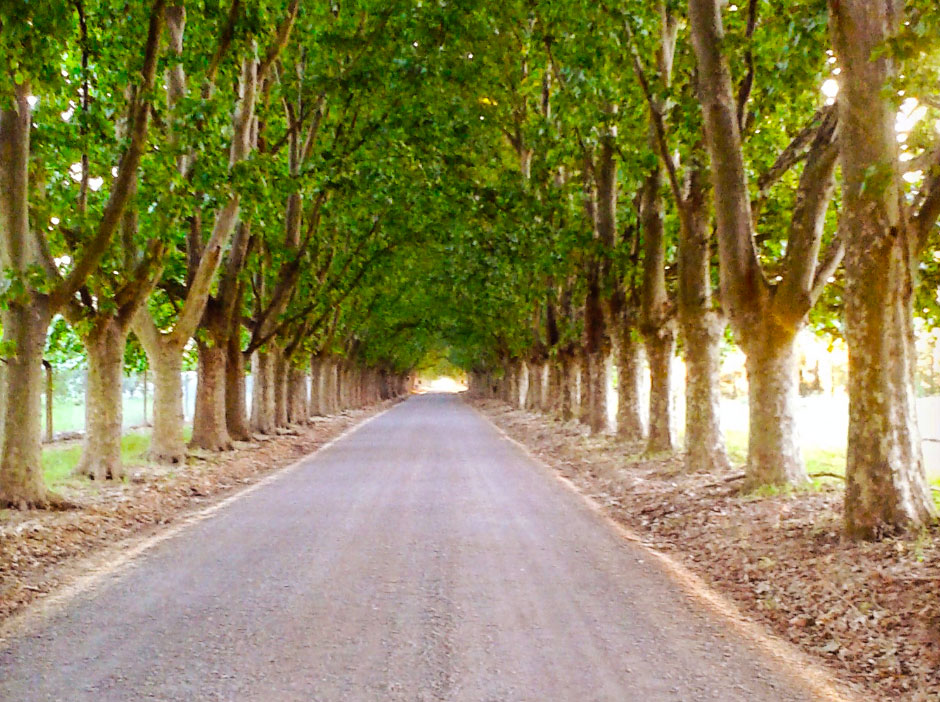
column 165, row 347
column 35, row 289
column 886, row 487
column 764, row 315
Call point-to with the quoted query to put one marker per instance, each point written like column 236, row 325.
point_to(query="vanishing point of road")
column 422, row 557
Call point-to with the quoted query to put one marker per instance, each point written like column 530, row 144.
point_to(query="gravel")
column 423, row 557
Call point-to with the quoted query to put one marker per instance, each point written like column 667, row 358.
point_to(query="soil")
column 868, row 611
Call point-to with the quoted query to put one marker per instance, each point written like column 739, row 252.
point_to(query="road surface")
column 423, row 557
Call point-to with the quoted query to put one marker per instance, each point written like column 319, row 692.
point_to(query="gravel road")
column 423, row 557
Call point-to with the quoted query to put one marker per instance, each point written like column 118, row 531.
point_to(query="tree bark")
column 104, row 412
column 656, row 324
column 702, row 329
column 210, row 430
column 593, row 398
column 166, row 441
column 21, row 478
column 704, row 440
column 660, row 348
column 297, row 396
column 629, row 378
column 316, row 378
column 236, row 416
column 281, row 390
column 765, row 317
column 886, row 486
column 262, row 395
column 774, row 455
column 50, row 392
column 534, row 386
column 545, row 395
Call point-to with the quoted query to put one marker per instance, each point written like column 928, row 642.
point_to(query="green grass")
column 58, row 462
column 818, row 460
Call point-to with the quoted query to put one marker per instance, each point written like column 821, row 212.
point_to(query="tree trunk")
column 886, row 483
column 21, row 478
column 704, row 440
column 534, row 385
column 594, row 383
column 330, row 388
column 50, row 391
column 702, row 329
column 281, row 391
column 210, row 426
column 659, row 350
column 774, row 455
column 236, row 419
column 315, row 406
column 262, row 395
column 166, row 441
column 545, row 394
column 104, row 412
column 629, row 378
column 25, row 319
column 570, row 399
column 146, row 382
column 886, row 486
column 297, row 396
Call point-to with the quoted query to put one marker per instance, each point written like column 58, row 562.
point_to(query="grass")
column 818, row 460
column 58, row 462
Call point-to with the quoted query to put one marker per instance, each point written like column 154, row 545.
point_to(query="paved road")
column 423, row 557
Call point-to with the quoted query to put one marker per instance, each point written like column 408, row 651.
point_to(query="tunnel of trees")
column 326, row 194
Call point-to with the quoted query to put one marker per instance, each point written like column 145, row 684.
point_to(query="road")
column 423, row 557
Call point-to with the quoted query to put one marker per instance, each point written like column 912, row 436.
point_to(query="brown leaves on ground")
column 871, row 611
column 37, row 547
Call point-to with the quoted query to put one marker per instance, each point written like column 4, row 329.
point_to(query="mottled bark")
column 21, row 480
column 886, row 487
column 166, row 441
column 262, row 393
column 704, row 440
column 764, row 316
column 629, row 379
column 660, row 349
column 533, row 392
column 566, row 387
column 297, row 396
column 236, row 412
column 281, row 389
column 210, row 428
column 101, row 447
column 26, row 316
column 545, row 394
column 593, row 398
column 702, row 329
column 774, row 455
column 50, row 388
column 315, row 406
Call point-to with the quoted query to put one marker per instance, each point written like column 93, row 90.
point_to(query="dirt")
column 39, row 549
column 870, row 612
column 422, row 557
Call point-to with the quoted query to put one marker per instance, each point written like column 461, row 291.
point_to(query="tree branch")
column 127, row 171
column 813, row 195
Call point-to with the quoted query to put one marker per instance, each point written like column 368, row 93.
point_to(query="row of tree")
column 530, row 189
column 232, row 180
column 687, row 166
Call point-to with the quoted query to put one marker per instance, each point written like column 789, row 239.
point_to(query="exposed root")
column 49, row 500
column 215, row 446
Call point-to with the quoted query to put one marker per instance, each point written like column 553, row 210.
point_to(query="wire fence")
column 68, row 402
